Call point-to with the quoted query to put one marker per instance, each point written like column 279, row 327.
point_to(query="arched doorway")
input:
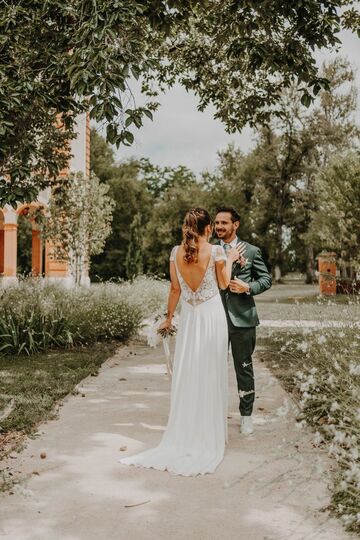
column 31, row 249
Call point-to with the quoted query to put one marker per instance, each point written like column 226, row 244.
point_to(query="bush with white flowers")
column 327, row 383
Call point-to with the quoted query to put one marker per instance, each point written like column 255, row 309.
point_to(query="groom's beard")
column 225, row 236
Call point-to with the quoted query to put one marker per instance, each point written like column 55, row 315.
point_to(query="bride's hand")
column 237, row 252
column 164, row 326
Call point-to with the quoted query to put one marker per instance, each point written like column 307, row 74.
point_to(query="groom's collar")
column 219, row 242
column 233, row 243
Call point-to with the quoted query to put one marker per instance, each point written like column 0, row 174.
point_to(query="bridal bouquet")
column 154, row 336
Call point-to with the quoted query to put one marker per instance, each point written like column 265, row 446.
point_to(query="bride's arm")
column 173, row 299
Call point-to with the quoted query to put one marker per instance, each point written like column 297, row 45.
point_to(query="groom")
column 249, row 277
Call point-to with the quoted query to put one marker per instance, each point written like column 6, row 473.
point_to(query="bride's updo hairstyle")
column 194, row 226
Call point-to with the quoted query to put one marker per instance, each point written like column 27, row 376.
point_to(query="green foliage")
column 134, row 256
column 321, row 368
column 164, row 230
column 101, row 157
column 78, row 220
column 66, row 57
column 24, row 245
column 336, row 223
column 35, row 384
column 131, row 199
column 240, row 56
column 35, row 317
column 273, row 187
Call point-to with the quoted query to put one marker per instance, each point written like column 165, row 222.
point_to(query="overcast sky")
column 181, row 135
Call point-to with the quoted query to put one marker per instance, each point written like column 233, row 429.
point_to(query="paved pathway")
column 299, row 323
column 270, row 486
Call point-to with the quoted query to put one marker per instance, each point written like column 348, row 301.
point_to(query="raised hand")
column 237, row 252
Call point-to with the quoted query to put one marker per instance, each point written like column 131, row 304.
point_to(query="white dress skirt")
column 194, row 440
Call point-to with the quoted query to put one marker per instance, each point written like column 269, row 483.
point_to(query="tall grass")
column 35, row 316
column 322, row 368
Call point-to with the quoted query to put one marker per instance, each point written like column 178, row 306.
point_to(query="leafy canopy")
column 70, row 56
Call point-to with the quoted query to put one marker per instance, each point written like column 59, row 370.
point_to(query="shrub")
column 36, row 316
column 325, row 371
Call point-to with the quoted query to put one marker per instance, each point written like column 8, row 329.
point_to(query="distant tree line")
column 297, row 191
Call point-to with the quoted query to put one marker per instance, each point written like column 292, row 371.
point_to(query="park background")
column 297, row 189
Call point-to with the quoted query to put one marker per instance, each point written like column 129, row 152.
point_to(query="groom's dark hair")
column 231, row 210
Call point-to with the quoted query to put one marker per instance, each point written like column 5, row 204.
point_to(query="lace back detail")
column 208, row 287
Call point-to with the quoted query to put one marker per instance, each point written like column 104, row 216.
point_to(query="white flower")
column 303, row 346
column 334, row 406
column 321, row 340
column 339, row 437
column 354, row 369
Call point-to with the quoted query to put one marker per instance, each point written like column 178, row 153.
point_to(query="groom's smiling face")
column 225, row 227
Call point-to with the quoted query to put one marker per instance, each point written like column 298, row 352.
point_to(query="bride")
column 195, row 436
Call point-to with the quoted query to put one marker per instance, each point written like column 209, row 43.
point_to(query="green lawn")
column 30, row 386
column 295, row 300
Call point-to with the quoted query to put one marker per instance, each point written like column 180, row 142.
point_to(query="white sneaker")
column 246, row 426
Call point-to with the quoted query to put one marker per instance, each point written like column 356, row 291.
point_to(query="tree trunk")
column 278, row 266
column 277, row 273
column 310, row 271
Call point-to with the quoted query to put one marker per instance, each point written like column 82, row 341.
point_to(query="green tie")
column 227, row 247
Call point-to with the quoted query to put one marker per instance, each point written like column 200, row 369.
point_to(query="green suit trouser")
column 243, row 341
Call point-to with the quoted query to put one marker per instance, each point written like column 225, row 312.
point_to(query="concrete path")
column 271, row 485
column 299, row 323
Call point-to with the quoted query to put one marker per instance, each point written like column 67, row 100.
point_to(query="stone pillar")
column 10, row 251
column 36, row 253
column 2, row 249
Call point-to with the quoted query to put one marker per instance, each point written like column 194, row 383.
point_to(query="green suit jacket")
column 241, row 308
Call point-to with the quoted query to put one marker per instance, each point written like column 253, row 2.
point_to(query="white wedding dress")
column 195, row 436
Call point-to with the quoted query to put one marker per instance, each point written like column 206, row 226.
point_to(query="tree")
column 290, row 152
column 164, row 228
column 336, row 223
column 132, row 199
column 232, row 184
column 70, row 56
column 159, row 180
column 334, row 131
column 102, row 161
column 78, row 220
column 134, row 257
column 241, row 55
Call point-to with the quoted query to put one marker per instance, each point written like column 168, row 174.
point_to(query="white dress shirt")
column 231, row 244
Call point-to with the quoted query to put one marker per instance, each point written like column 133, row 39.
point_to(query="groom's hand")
column 239, row 286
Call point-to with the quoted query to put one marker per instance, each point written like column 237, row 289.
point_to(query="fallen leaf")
column 36, row 473
column 122, row 379
column 123, row 448
column 43, row 455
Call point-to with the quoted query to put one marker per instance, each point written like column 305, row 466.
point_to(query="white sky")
column 181, row 135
